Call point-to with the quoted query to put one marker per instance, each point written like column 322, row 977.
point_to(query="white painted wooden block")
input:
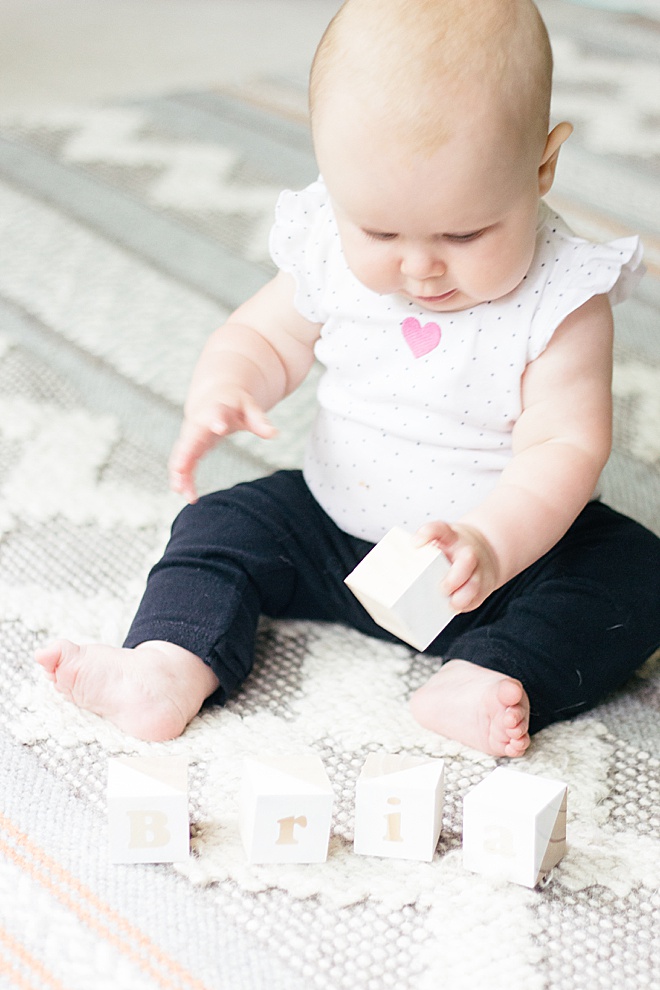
column 514, row 826
column 285, row 810
column 399, row 585
column 148, row 820
column 398, row 806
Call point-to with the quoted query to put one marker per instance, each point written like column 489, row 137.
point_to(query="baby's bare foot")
column 475, row 706
column 151, row 692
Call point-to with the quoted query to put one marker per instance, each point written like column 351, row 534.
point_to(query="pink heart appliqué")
column 420, row 339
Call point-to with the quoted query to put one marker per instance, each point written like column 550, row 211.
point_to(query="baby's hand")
column 202, row 429
column 473, row 574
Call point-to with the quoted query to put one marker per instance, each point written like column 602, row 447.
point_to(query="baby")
column 466, row 336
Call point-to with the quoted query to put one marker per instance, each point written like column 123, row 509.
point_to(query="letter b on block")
column 148, row 829
column 148, row 819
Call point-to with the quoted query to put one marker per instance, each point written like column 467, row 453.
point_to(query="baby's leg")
column 259, row 547
column 478, row 707
column 193, row 633
column 553, row 642
column 152, row 691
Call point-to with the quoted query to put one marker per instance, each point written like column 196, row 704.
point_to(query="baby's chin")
column 457, row 300
column 447, row 302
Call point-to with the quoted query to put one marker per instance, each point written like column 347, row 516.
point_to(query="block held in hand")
column 399, row 585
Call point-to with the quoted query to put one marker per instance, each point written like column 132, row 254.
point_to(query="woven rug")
column 127, row 232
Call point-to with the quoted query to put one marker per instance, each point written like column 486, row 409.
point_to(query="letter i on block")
column 399, row 585
column 148, row 819
column 285, row 810
column 514, row 826
column 398, row 806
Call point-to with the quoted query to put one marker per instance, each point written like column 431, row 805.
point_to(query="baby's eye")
column 378, row 235
column 462, row 238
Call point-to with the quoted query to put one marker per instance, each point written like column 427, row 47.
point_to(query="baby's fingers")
column 258, row 423
column 182, row 481
column 439, row 533
column 467, row 596
column 191, row 446
column 461, row 582
column 249, row 416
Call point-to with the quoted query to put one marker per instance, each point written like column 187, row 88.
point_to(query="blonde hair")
column 415, row 64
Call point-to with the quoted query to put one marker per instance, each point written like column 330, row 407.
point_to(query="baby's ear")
column 556, row 138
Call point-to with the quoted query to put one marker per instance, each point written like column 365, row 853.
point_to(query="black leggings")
column 571, row 628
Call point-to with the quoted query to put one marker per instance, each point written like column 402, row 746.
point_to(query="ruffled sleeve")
column 569, row 270
column 301, row 241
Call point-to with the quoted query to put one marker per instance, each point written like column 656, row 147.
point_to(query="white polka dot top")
column 416, row 408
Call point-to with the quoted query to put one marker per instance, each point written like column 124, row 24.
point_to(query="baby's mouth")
column 436, row 299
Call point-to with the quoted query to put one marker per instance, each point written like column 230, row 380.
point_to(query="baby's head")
column 415, row 66
column 442, row 107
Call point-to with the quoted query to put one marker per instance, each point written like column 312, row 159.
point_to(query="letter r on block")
column 287, row 825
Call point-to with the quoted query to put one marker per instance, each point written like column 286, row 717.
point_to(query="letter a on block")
column 148, row 820
column 514, row 826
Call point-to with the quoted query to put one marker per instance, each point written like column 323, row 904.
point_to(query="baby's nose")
column 422, row 263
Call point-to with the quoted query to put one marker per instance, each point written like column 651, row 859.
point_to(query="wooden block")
column 514, row 826
column 148, row 819
column 285, row 810
column 399, row 585
column 398, row 806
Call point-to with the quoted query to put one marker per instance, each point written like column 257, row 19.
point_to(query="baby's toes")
column 515, row 722
column 516, row 747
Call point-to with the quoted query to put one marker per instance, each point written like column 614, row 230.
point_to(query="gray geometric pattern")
column 127, row 231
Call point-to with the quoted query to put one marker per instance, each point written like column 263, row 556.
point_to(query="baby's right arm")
column 260, row 355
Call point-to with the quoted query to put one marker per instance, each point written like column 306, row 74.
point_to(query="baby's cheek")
column 493, row 277
column 514, row 264
column 374, row 276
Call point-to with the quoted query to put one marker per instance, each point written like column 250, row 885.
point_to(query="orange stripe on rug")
column 30, row 962
column 18, row 981
column 102, row 919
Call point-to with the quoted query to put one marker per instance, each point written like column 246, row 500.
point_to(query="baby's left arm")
column 561, row 443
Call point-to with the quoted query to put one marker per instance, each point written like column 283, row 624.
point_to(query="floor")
column 56, row 52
